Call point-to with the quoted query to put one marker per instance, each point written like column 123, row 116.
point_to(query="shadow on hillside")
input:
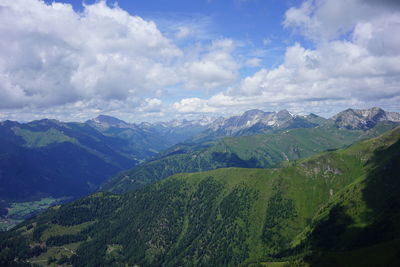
column 381, row 195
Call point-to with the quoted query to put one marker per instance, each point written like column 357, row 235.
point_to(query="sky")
column 159, row 60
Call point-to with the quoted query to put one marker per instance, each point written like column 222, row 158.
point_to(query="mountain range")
column 335, row 208
column 49, row 158
column 260, row 140
column 47, row 162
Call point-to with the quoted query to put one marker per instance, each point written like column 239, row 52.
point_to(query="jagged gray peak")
column 256, row 120
column 363, row 119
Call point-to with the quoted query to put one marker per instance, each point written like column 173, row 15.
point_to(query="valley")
column 329, row 203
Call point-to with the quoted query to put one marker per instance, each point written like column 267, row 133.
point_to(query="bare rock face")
column 255, row 120
column 363, row 119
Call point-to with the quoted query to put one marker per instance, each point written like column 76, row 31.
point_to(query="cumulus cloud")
column 211, row 68
column 151, row 105
column 253, row 62
column 51, row 55
column 359, row 70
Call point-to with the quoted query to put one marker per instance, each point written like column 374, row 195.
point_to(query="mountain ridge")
column 364, row 118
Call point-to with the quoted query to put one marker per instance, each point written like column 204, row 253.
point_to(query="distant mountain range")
column 255, row 121
column 260, row 140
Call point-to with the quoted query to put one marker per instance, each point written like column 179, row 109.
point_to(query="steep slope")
column 360, row 226
column 255, row 151
column 232, row 216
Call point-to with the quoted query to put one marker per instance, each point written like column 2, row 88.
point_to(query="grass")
column 55, row 252
column 56, row 230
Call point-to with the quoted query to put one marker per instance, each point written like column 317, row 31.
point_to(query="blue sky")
column 160, row 60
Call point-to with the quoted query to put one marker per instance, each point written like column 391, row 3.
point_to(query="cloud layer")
column 51, row 56
column 55, row 61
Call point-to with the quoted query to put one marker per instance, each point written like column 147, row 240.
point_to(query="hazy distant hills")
column 337, row 208
column 48, row 157
column 53, row 158
column 150, row 137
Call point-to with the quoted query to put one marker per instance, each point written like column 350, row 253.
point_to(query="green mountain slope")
column 342, row 202
column 360, row 226
column 255, row 151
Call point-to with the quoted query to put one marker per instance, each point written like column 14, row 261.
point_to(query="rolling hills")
column 332, row 206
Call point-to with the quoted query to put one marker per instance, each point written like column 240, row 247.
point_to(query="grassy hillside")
column 360, row 226
column 255, row 151
column 333, row 206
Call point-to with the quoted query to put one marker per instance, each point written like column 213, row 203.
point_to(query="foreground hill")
column 254, row 151
column 331, row 208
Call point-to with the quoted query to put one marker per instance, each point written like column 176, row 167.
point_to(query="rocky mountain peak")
column 363, row 119
column 284, row 115
column 256, row 120
column 109, row 120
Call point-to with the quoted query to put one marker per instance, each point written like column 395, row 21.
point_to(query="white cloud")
column 360, row 70
column 213, row 68
column 183, row 32
column 151, row 105
column 253, row 62
column 192, row 105
column 267, row 41
column 51, row 55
